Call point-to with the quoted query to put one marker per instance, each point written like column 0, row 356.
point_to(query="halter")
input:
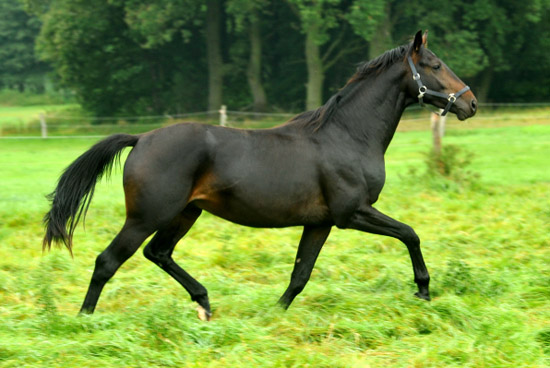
column 423, row 90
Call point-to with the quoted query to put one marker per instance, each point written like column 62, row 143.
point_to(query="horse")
column 320, row 169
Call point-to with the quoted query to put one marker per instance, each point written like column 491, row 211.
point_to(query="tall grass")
column 486, row 246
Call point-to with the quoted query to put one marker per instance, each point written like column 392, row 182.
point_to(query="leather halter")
column 423, row 90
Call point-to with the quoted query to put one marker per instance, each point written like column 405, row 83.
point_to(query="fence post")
column 438, row 131
column 223, row 115
column 43, row 126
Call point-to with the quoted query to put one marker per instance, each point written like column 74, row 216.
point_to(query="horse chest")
column 375, row 179
column 360, row 178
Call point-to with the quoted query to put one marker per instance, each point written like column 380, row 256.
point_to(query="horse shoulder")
column 350, row 181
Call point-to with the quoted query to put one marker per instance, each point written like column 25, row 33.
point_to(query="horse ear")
column 418, row 41
column 425, row 39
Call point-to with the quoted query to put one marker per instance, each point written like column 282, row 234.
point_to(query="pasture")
column 487, row 247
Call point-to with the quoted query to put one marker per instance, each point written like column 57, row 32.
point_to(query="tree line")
column 175, row 56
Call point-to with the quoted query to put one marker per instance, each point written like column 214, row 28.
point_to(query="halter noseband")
column 423, row 90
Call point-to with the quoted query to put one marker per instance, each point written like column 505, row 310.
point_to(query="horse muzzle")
column 466, row 107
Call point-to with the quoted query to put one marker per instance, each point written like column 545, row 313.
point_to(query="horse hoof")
column 423, row 296
column 203, row 314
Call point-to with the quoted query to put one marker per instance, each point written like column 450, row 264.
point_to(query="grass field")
column 487, row 247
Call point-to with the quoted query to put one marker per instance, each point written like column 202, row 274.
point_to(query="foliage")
column 448, row 170
column 452, row 163
column 365, row 15
column 487, row 252
column 10, row 97
column 484, row 39
column 242, row 10
column 156, row 23
column 19, row 66
column 89, row 45
column 122, row 56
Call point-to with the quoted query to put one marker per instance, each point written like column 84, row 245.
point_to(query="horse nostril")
column 474, row 105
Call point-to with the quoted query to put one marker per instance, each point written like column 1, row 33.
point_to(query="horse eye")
column 437, row 66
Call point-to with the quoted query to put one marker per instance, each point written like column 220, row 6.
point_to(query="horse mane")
column 318, row 117
column 380, row 63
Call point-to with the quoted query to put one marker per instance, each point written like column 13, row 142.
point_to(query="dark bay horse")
column 321, row 169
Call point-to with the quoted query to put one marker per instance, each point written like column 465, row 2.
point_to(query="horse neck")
column 371, row 113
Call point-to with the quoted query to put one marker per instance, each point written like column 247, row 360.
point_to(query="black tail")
column 75, row 189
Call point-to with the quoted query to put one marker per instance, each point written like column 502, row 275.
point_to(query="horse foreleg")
column 123, row 246
column 370, row 220
column 311, row 243
column 159, row 251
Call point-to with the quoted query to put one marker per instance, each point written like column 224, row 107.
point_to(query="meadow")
column 485, row 242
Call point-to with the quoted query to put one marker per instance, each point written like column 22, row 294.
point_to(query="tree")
column 214, row 50
column 528, row 78
column 90, row 47
column 170, row 56
column 372, row 21
column 247, row 19
column 19, row 66
column 479, row 39
column 318, row 18
column 157, row 23
column 514, row 36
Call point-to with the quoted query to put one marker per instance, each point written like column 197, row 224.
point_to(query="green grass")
column 487, row 248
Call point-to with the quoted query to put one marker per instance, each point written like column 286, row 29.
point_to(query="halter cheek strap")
column 423, row 90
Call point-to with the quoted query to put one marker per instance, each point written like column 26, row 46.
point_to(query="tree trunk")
column 315, row 73
column 482, row 90
column 382, row 40
column 254, row 72
column 215, row 62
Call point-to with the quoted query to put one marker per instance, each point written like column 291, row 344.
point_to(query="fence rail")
column 48, row 124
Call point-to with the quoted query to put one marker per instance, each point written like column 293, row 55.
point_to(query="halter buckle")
column 451, row 98
column 422, row 91
column 416, row 76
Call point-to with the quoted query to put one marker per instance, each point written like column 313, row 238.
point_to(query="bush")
column 447, row 170
column 10, row 97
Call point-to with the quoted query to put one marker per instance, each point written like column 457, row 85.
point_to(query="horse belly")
column 251, row 205
column 265, row 215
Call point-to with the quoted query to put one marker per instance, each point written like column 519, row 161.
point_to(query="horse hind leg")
column 123, row 246
column 159, row 251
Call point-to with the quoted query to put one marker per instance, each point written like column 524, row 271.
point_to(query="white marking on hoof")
column 203, row 314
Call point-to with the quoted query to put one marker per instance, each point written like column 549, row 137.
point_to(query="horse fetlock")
column 283, row 302
column 425, row 295
column 202, row 300
column 203, row 314
column 423, row 288
column 203, row 309
column 423, row 280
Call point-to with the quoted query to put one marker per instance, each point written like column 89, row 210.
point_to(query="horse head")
column 434, row 83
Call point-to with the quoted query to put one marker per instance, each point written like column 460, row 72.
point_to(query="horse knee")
column 409, row 237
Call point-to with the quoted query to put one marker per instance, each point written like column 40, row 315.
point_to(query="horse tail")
column 71, row 198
